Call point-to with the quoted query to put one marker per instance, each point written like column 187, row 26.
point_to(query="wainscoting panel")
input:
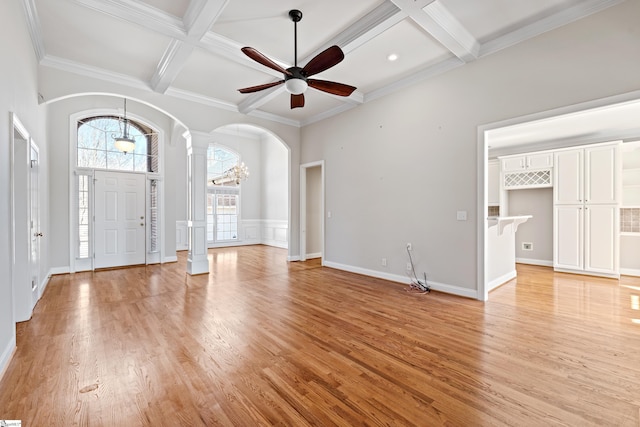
column 182, row 236
column 252, row 232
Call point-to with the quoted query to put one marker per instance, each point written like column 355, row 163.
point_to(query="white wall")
column 399, row 168
column 275, row 180
column 538, row 230
column 60, row 140
column 18, row 94
column 55, row 84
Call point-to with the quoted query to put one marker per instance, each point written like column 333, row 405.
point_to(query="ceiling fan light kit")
column 296, row 79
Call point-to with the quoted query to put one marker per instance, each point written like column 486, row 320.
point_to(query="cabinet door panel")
column 567, row 188
column 568, row 237
column 601, row 175
column 513, row 163
column 601, row 224
column 540, row 161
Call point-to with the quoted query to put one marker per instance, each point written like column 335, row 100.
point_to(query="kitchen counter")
column 501, row 232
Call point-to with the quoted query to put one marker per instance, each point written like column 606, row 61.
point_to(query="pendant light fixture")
column 125, row 143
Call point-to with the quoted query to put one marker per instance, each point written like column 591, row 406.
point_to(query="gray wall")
column 400, row 167
column 537, row 230
column 18, row 94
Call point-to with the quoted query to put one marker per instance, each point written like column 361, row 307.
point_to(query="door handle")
column 38, row 234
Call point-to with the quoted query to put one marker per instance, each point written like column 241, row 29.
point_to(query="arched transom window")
column 96, row 145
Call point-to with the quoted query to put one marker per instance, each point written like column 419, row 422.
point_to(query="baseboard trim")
column 436, row 286
column 59, row 270
column 7, row 354
column 170, row 259
column 501, row 280
column 630, row 272
column 44, row 283
column 530, row 261
column 314, row 255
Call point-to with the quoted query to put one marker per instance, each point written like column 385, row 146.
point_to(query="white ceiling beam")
column 436, row 20
column 201, row 16
column 172, row 61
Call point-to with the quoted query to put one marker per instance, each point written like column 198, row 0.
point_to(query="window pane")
column 96, row 145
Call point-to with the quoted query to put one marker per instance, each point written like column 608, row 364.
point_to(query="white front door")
column 35, row 222
column 119, row 219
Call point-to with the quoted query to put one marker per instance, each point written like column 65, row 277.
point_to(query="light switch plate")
column 461, row 215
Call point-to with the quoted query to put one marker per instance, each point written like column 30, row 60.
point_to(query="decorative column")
column 197, row 259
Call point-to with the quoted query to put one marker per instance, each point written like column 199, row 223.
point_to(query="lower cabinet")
column 586, row 239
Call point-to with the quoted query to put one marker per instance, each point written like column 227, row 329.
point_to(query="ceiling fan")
column 296, row 79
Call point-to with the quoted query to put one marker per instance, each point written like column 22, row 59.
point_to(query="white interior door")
column 119, row 219
column 35, row 221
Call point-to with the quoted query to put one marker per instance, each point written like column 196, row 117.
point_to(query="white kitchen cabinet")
column 527, row 161
column 586, row 210
column 493, row 182
column 568, row 177
column 588, row 175
column 568, row 236
column 586, row 239
column 601, row 239
column 602, row 176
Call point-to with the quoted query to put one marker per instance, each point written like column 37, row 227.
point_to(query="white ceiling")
column 191, row 48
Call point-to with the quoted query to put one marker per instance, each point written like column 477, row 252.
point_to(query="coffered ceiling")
column 190, row 49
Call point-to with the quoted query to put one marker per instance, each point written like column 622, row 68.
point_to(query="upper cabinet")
column 587, row 175
column 568, row 177
column 631, row 175
column 602, row 175
column 527, row 161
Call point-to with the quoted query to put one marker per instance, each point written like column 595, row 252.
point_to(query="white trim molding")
column 7, row 354
column 436, row 286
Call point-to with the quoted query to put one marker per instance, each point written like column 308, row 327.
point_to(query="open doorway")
column 583, row 124
column 312, row 211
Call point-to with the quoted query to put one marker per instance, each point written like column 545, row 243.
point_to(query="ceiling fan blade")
column 260, row 87
column 297, row 101
column 323, row 61
column 333, row 88
column 261, row 59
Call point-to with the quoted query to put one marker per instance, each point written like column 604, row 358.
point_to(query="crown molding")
column 566, row 16
column 434, row 70
column 33, row 25
column 274, row 118
column 93, row 72
column 139, row 13
column 201, row 99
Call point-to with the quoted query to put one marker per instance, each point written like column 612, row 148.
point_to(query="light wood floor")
column 260, row 341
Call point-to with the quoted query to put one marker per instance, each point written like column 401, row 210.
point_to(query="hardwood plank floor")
column 260, row 341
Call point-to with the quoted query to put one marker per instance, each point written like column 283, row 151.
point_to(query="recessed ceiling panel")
column 265, row 25
column 80, row 34
column 368, row 67
column 489, row 19
column 172, row 7
column 217, row 77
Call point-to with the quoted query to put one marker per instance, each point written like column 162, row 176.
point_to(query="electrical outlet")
column 409, row 247
column 384, row 262
column 408, row 266
column 527, row 246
